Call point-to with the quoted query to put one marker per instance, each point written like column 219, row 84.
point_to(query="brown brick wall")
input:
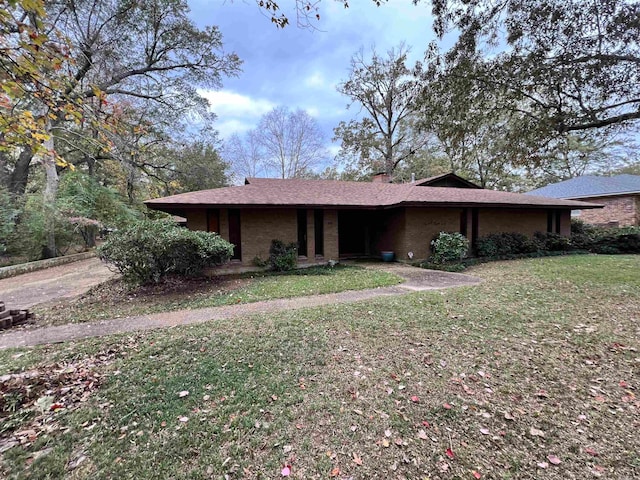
column 390, row 232
column 261, row 225
column 331, row 249
column 623, row 210
column 423, row 225
column 525, row 221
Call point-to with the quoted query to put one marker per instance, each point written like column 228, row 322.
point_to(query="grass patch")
column 114, row 299
column 538, row 361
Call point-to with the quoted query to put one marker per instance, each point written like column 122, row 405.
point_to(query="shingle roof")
column 265, row 192
column 591, row 186
column 433, row 181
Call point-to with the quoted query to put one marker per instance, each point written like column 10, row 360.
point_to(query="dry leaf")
column 422, row 435
column 535, row 432
column 484, row 431
column 554, row 460
column 450, row 453
column 334, row 472
column 357, row 459
column 183, row 393
column 286, row 471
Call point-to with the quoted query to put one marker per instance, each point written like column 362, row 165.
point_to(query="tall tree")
column 245, row 155
column 563, row 65
column 385, row 89
column 292, row 142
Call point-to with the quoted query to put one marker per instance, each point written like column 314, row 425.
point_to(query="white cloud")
column 315, row 80
column 226, row 102
column 312, row 111
column 236, row 113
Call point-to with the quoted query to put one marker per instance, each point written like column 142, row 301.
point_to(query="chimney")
column 381, row 177
column 413, row 178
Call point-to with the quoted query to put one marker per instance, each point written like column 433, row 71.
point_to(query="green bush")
column 552, row 242
column 615, row 244
column 508, row 243
column 29, row 237
column 583, row 235
column 148, row 251
column 283, row 257
column 449, row 247
column 8, row 214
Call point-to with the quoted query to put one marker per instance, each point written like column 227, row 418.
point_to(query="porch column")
column 311, row 235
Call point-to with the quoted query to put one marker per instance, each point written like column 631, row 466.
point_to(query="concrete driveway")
column 65, row 281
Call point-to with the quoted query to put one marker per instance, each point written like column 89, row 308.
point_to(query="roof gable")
column 446, row 180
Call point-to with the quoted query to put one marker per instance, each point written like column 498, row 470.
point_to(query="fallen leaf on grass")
column 183, row 419
column 543, row 465
column 591, row 451
column 334, row 472
column 415, row 399
column 484, row 431
column 554, row 460
column 385, row 443
column 535, row 432
column 447, row 406
column 476, row 474
column 422, row 435
column 286, row 471
column 183, row 393
column 450, row 453
column 357, row 459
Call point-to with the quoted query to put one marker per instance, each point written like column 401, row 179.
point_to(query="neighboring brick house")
column 619, row 194
column 334, row 219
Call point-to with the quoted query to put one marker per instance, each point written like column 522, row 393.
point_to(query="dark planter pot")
column 387, row 256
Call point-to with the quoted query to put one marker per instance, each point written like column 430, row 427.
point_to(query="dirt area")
column 65, row 281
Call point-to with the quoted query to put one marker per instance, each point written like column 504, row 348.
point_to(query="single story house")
column 620, row 195
column 335, row 219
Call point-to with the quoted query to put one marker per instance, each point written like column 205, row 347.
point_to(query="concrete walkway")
column 416, row 280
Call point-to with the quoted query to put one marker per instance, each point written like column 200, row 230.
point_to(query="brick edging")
column 13, row 270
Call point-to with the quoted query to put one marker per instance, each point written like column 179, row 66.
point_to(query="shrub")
column 552, row 242
column 614, row 244
column 583, row 235
column 283, row 257
column 148, row 251
column 449, row 247
column 508, row 243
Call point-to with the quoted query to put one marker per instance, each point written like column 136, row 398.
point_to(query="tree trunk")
column 20, row 175
column 49, row 198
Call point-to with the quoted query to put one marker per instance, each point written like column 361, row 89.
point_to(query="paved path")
column 65, row 281
column 416, row 280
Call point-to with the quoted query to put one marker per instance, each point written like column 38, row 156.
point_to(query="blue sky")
column 300, row 68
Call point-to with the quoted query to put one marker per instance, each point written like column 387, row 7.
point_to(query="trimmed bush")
column 449, row 247
column 148, row 251
column 615, row 244
column 283, row 257
column 508, row 243
column 552, row 242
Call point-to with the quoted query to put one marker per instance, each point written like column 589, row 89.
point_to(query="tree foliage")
column 562, row 66
column 385, row 89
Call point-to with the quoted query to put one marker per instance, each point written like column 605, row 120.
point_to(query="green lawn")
column 113, row 299
column 537, row 365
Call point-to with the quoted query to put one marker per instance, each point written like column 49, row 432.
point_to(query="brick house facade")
column 333, row 220
column 618, row 211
